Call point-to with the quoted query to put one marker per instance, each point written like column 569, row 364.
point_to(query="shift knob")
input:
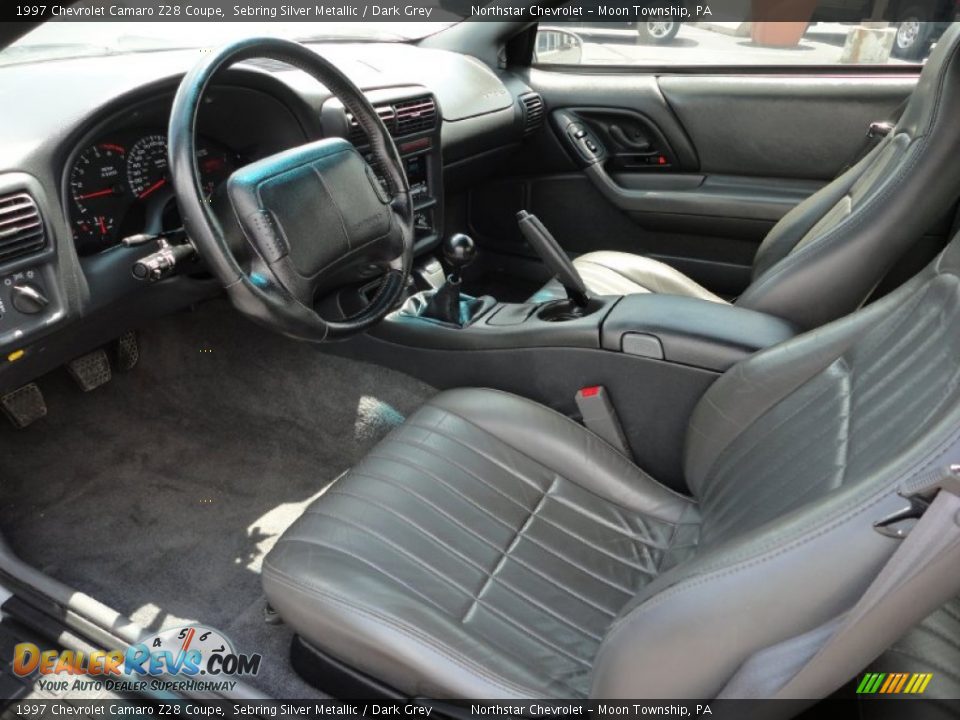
column 459, row 250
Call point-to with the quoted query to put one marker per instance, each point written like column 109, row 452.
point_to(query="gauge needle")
column 156, row 186
column 98, row 193
column 103, row 226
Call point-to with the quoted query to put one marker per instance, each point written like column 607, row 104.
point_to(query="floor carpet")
column 160, row 492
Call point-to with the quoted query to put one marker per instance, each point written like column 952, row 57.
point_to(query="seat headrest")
column 938, row 91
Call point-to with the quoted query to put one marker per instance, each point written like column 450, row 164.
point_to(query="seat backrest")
column 823, row 259
column 793, row 454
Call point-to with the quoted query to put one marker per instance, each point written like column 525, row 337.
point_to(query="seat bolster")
column 398, row 643
column 651, row 275
column 619, row 273
column 569, row 449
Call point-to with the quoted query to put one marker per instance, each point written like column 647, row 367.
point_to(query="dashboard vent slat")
column 404, row 118
column 417, row 115
column 359, row 137
column 21, row 227
column 532, row 105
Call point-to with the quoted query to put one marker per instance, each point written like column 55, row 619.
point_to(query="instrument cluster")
column 121, row 186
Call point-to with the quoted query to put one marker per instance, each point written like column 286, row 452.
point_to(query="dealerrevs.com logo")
column 186, row 658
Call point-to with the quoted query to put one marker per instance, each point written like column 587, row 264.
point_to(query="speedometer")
column 147, row 166
column 147, row 170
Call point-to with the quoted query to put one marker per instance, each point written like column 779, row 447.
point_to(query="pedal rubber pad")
column 91, row 370
column 24, row 406
column 128, row 351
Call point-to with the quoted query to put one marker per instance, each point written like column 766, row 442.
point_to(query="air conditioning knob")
column 28, row 299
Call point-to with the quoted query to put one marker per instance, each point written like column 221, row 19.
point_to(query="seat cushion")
column 619, row 273
column 480, row 550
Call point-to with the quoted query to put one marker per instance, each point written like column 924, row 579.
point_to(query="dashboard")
column 83, row 165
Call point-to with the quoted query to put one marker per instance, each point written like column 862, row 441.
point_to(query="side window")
column 831, row 35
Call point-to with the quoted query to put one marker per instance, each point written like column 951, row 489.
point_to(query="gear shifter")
column 459, row 251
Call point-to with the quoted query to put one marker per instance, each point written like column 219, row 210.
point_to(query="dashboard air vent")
column 416, row 115
column 21, row 227
column 532, row 105
column 359, row 137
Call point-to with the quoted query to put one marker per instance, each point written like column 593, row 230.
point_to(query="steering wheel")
column 316, row 216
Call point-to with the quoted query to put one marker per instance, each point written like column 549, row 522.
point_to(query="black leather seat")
column 823, row 259
column 491, row 547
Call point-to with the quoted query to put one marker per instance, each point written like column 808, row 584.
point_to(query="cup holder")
column 566, row 310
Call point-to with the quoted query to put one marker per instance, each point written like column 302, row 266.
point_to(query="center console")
column 422, row 164
column 665, row 328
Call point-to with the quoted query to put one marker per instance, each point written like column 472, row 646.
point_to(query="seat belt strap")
column 922, row 569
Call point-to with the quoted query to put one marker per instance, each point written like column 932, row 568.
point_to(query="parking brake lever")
column 553, row 255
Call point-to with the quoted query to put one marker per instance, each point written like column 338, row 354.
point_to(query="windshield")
column 59, row 39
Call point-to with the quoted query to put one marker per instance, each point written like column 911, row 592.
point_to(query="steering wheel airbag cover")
column 310, row 210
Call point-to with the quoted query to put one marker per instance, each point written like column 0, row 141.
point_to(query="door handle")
column 637, row 144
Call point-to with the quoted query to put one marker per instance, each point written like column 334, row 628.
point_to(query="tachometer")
column 99, row 191
column 97, row 177
column 147, row 166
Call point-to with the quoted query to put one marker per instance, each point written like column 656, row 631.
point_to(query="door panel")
column 798, row 127
column 739, row 152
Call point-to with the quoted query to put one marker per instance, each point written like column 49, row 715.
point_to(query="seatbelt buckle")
column 600, row 417
column 919, row 493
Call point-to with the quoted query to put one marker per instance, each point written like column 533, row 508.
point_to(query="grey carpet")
column 160, row 492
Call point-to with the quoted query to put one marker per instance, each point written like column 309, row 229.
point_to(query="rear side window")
column 831, row 35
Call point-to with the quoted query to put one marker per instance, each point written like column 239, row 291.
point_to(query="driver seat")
column 825, row 257
column 493, row 548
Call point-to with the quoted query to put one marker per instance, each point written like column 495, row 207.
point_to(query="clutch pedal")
column 24, row 406
column 91, row 370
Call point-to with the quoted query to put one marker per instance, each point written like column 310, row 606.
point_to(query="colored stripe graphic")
column 894, row 683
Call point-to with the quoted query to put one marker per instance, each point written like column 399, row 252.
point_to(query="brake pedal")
column 24, row 406
column 91, row 370
column 127, row 351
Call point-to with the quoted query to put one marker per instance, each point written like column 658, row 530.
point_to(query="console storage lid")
column 690, row 331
